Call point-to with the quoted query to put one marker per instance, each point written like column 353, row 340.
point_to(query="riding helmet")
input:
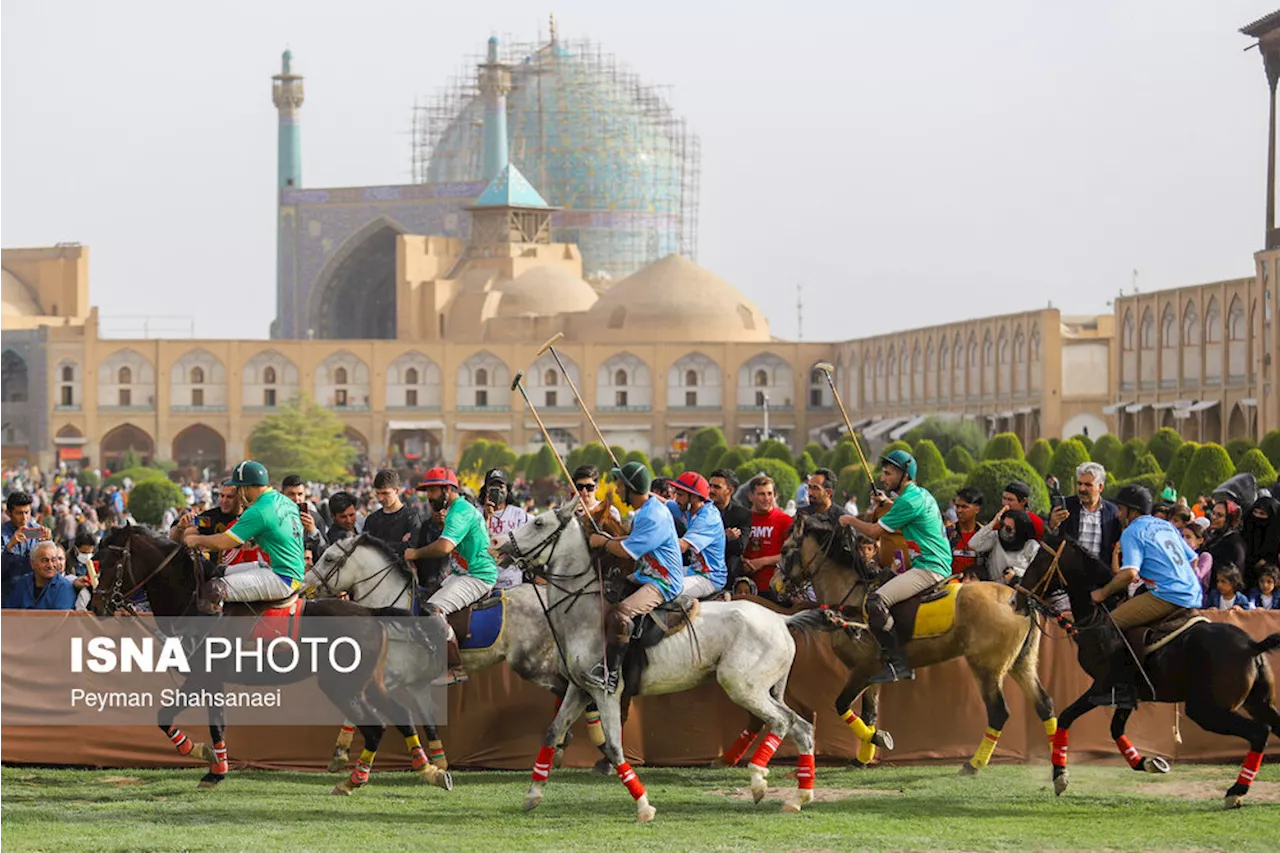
column 438, row 477
column 693, row 483
column 902, row 460
column 1134, row 496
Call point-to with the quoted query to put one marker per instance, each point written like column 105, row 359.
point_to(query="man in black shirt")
column 211, row 521
column 822, row 507
column 737, row 519
column 396, row 523
column 342, row 509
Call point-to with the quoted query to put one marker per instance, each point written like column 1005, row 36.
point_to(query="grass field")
column 911, row 808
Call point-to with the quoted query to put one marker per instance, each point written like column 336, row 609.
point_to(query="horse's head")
column 126, row 557
column 543, row 537
column 333, row 573
column 365, row 570
column 1072, row 570
column 795, row 569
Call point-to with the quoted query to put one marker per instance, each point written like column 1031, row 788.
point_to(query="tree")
column 137, row 474
column 1177, row 470
column 1210, row 467
column 1106, row 451
column 815, row 450
column 990, row 478
column 1085, row 440
column 1069, row 456
column 712, row 460
column 638, row 456
column 948, row 433
column 1256, row 463
column 544, row 466
column 960, row 460
column 771, row 448
column 1129, row 455
column 853, row 483
column 1164, row 444
column 482, row 456
column 1146, row 465
column 889, row 448
column 785, row 478
column 1040, row 456
column 149, row 499
column 87, row 477
column 1238, row 447
column 944, row 489
column 131, row 459
column 1270, row 447
column 732, row 459
column 805, row 465
column 929, row 464
column 700, row 443
column 305, row 439
column 522, row 463
column 841, row 456
column 1005, row 445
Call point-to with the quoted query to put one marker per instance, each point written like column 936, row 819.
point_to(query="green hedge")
column 771, row 448
column 1005, row 445
column 732, row 458
column 1145, row 465
column 785, row 478
column 1177, row 470
column 1040, row 456
column 960, row 460
column 1163, row 445
column 1270, row 447
column 1257, row 464
column 1238, row 447
column 149, row 499
column 944, row 489
column 138, row 473
column 841, row 456
column 992, row 476
column 1106, row 451
column 1130, row 453
column 1069, row 456
column 929, row 463
column 1210, row 468
column 1085, row 440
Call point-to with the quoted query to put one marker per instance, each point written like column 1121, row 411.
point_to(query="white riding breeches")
column 698, row 586
column 254, row 582
column 459, row 591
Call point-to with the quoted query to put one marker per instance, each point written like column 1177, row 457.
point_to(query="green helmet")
column 249, row 473
column 636, row 477
column 901, row 459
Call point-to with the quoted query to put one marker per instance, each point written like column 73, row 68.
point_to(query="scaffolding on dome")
column 591, row 137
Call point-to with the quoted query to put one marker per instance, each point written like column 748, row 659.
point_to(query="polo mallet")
column 550, row 346
column 828, row 369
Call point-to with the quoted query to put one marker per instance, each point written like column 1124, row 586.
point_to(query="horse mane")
column 385, row 550
column 163, row 543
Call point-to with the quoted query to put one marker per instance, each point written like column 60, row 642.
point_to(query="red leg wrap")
column 766, row 750
column 181, row 741
column 360, row 774
column 348, row 730
column 805, row 772
column 631, row 780
column 219, row 765
column 738, row 748
column 1060, row 748
column 419, row 758
column 542, row 765
column 1248, row 770
column 1129, row 751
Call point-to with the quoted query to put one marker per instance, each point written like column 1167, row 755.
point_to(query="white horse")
column 745, row 647
column 368, row 574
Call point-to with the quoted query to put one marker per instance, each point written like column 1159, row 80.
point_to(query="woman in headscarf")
column 1010, row 542
column 1261, row 531
column 1223, row 540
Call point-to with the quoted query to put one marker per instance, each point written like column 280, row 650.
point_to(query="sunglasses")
column 585, row 487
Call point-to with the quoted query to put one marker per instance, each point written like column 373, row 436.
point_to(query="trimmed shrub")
column 636, row 456
column 1164, row 444
column 960, row 460
column 88, row 478
column 841, row 456
column 1256, row 463
column 1270, row 447
column 1040, row 456
column 1085, row 440
column 944, row 489
column 1147, row 464
column 990, row 478
column 949, row 433
column 1177, row 470
column 771, row 448
column 712, row 460
column 1129, row 455
column 1005, row 445
column 732, row 459
column 1238, row 447
column 1210, row 467
column 853, row 483
column 522, row 464
column 1054, row 441
column 150, row 498
column 700, row 443
column 816, row 451
column 1106, row 451
column 1069, row 456
column 805, row 465
column 785, row 478
column 889, row 448
column 1153, row 483
column 930, row 464
column 138, row 473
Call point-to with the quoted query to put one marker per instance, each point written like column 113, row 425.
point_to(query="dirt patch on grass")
column 121, row 781
column 820, row 795
column 1259, row 792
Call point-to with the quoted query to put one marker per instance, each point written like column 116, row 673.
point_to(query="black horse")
column 1215, row 668
column 133, row 559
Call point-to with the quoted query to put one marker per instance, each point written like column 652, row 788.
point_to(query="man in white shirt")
column 501, row 518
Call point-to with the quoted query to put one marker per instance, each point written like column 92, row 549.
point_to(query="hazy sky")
column 909, row 163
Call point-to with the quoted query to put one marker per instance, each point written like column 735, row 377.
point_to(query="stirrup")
column 893, row 672
column 603, row 678
column 453, row 675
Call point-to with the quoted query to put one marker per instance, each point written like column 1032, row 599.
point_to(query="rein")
column 120, row 600
column 380, row 575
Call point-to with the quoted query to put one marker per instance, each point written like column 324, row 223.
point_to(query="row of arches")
column 1184, row 350
column 198, row 380
column 1003, row 365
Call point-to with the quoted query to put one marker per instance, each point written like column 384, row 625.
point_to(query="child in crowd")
column 1228, row 594
column 1263, row 596
column 1193, row 535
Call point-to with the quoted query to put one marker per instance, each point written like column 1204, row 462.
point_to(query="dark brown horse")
column 1215, row 668
column 132, row 559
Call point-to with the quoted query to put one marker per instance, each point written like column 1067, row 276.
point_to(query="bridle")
column 379, row 576
column 810, row 574
column 117, row 598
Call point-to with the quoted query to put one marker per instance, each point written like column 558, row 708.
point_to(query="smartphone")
column 1057, row 502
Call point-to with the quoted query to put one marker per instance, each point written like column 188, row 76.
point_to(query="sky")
column 908, row 164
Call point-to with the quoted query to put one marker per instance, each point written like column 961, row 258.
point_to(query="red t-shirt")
column 768, row 533
column 963, row 557
column 1038, row 523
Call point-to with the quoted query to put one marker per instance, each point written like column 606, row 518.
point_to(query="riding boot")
column 606, row 673
column 212, row 594
column 896, row 666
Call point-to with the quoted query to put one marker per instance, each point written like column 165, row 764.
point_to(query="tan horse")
column 988, row 632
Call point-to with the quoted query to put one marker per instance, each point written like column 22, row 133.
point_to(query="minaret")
column 286, row 92
column 495, row 82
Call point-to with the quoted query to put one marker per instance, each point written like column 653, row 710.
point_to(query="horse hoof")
column 968, row 769
column 602, row 768
column 202, row 752
column 644, row 814
column 790, row 807
column 882, row 739
column 343, row 789
column 338, row 762
column 444, row 780
column 1233, row 801
column 1155, row 765
column 209, row 781
column 532, row 800
column 1060, row 785
column 758, row 783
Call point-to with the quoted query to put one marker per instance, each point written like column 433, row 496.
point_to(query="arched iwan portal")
column 357, row 297
column 200, row 447
column 121, row 440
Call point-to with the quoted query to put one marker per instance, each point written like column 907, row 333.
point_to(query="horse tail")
column 1268, row 645
column 811, row 620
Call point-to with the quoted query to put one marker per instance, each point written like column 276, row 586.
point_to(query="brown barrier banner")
column 496, row 721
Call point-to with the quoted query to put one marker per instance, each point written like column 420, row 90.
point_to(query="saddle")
column 1148, row 639
column 663, row 621
column 460, row 620
column 927, row 614
column 281, row 618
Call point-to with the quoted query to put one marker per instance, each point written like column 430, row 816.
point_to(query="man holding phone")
column 294, row 488
column 501, row 518
column 1086, row 517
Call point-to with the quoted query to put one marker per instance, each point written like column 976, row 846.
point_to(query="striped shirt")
column 1090, row 531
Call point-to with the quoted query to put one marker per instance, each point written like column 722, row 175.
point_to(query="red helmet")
column 439, row 477
column 693, row 483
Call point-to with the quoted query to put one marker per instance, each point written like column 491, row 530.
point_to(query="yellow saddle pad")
column 936, row 617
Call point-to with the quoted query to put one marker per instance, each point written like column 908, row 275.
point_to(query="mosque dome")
column 18, row 298
column 544, row 291
column 675, row 300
